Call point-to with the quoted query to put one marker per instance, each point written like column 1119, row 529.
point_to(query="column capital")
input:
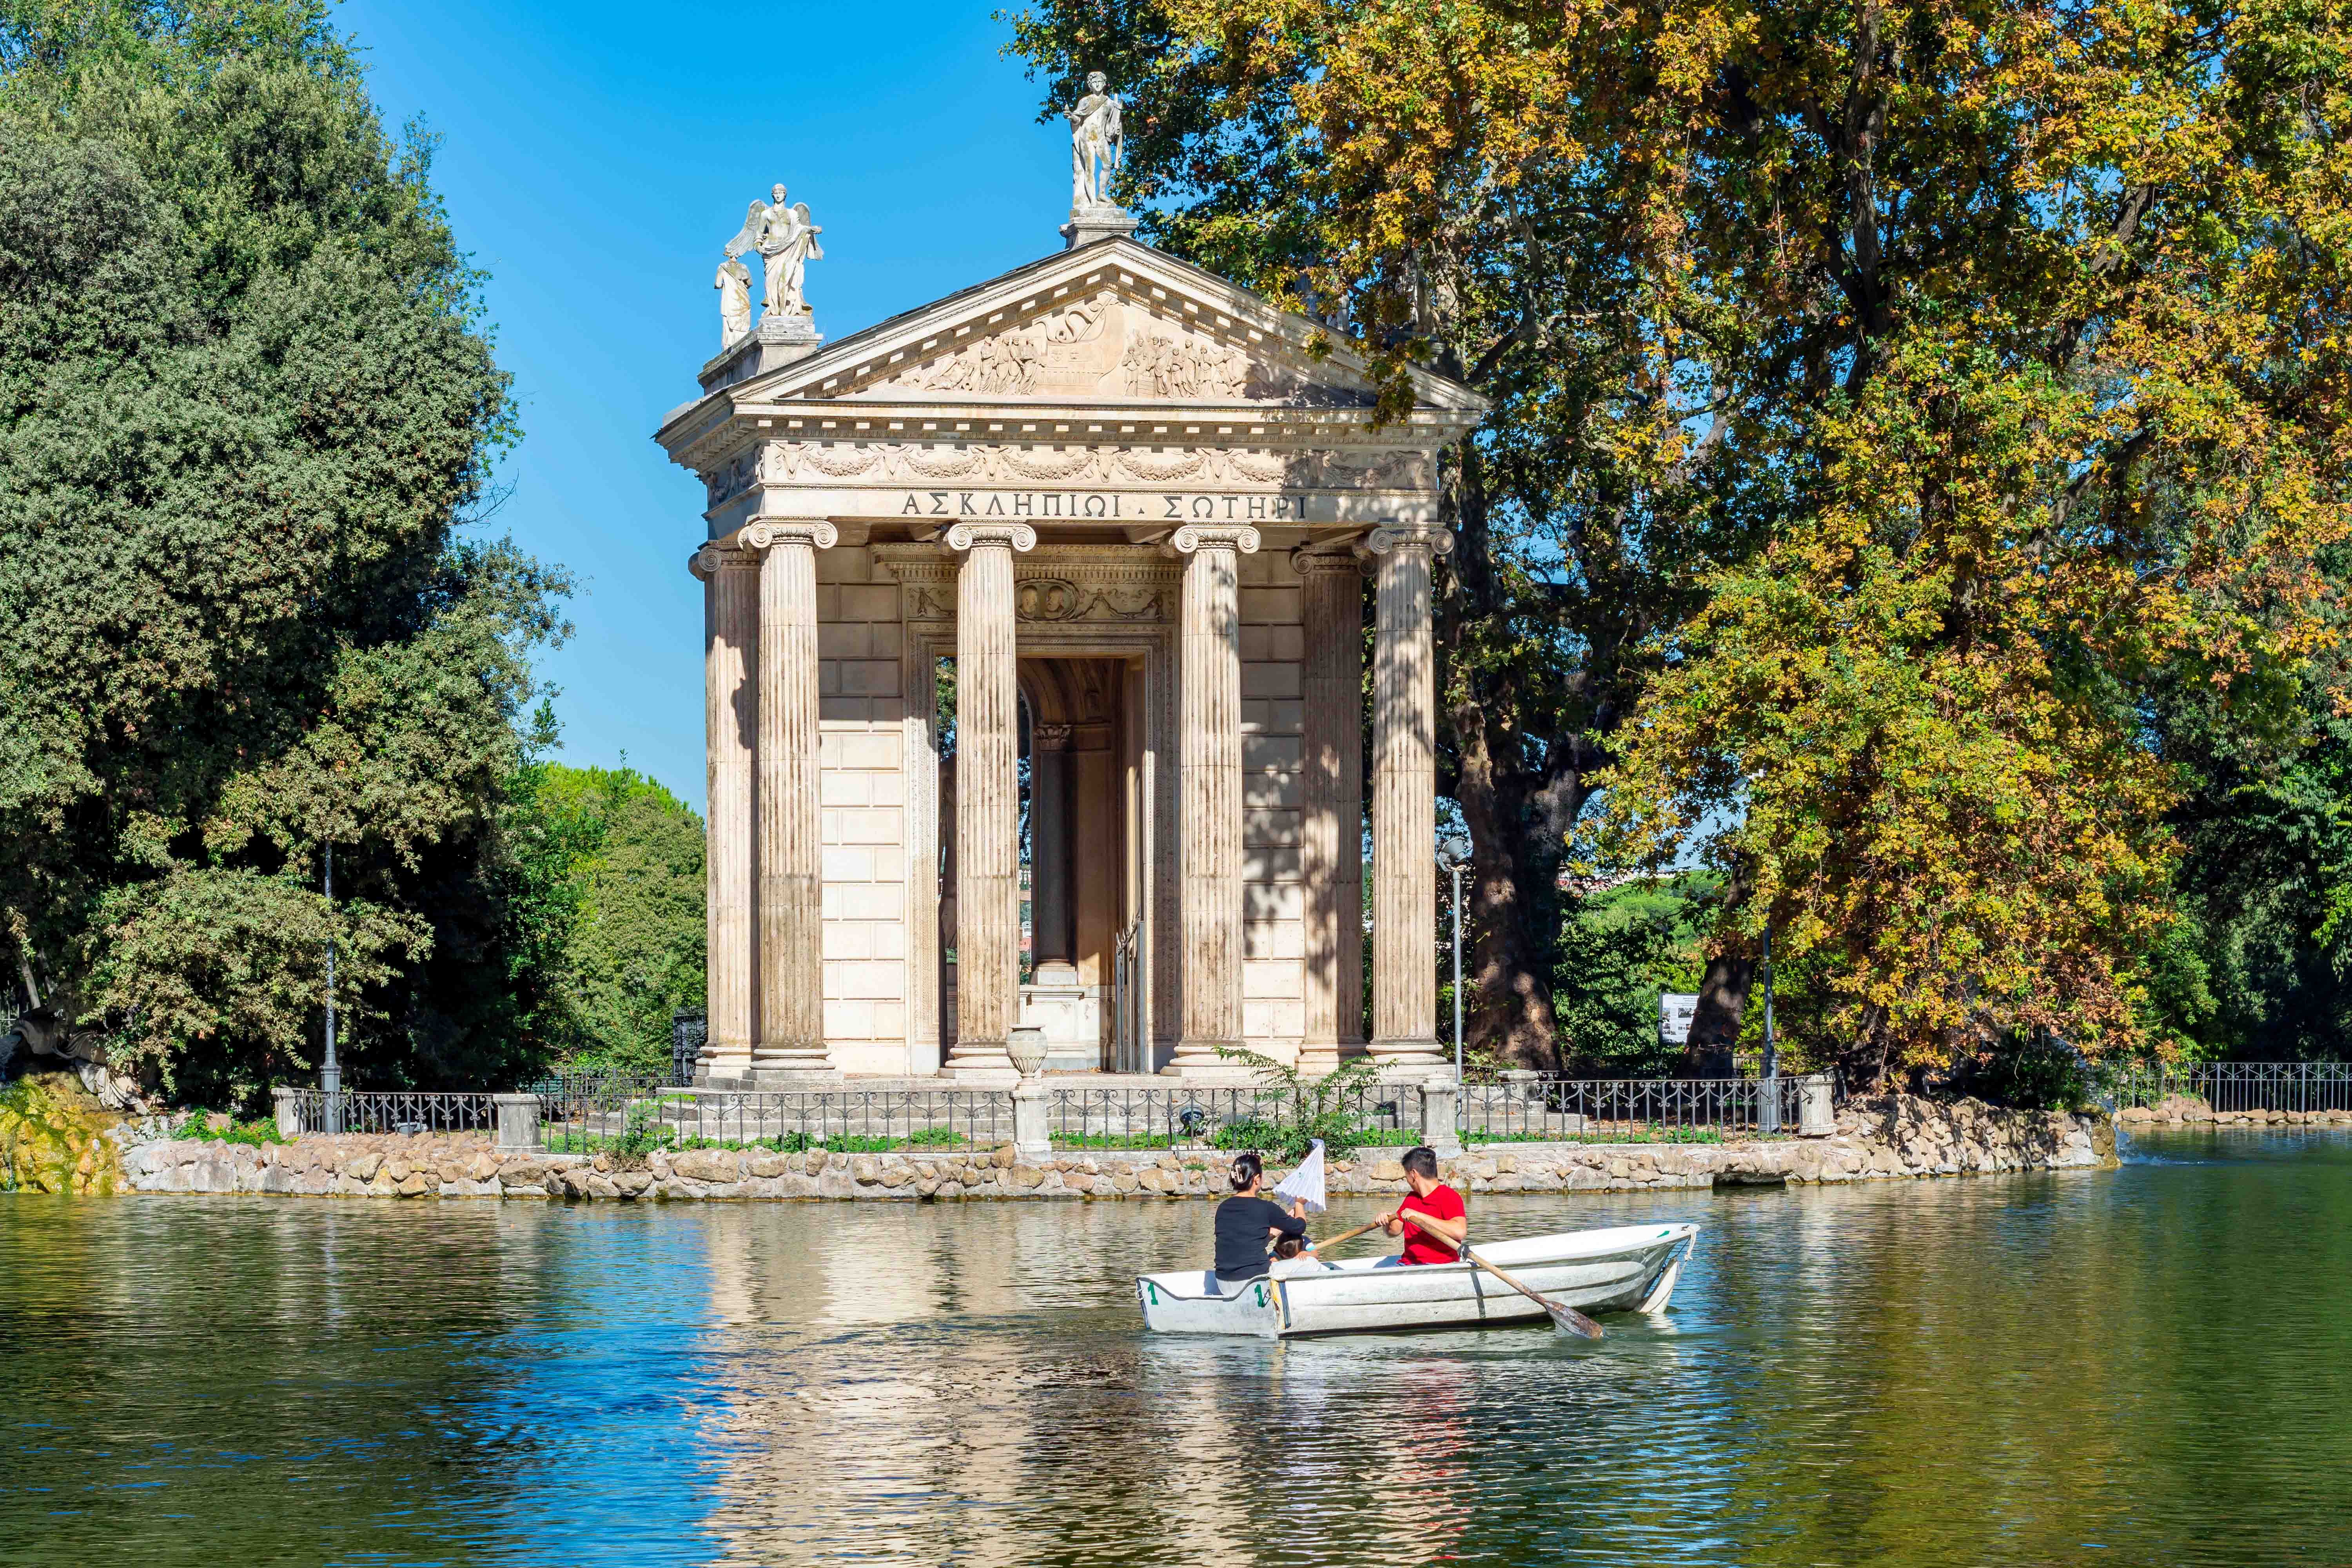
column 715, row 557
column 1051, row 737
column 1390, row 536
column 1195, row 536
column 1308, row 563
column 763, row 536
column 967, row 536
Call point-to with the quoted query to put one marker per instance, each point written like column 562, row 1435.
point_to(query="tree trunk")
column 1507, row 973
column 1509, row 1008
column 1715, row 1027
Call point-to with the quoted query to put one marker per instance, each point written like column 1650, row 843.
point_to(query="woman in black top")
column 1246, row 1222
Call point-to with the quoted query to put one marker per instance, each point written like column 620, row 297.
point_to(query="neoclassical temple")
column 1108, row 523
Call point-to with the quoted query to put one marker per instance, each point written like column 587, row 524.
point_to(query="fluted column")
column 731, row 621
column 988, row 801
column 1331, row 808
column 1405, row 800
column 792, row 881
column 1209, row 790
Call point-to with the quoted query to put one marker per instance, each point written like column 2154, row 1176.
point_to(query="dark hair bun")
column 1247, row 1168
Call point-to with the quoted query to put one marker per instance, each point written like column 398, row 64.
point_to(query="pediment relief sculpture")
column 1104, row 346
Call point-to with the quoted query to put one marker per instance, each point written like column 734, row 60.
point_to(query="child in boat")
column 1431, row 1219
column 1295, row 1255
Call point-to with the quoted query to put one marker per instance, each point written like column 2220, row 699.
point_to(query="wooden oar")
column 1330, row 1241
column 1563, row 1316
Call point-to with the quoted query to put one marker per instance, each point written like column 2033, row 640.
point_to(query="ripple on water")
column 2148, row 1365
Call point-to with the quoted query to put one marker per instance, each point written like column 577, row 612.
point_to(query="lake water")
column 2152, row 1365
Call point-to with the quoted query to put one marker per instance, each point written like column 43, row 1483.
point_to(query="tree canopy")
column 1917, row 441
column 248, row 409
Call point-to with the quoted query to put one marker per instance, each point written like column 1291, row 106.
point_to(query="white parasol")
column 1306, row 1183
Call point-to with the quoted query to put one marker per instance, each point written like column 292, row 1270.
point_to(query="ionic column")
column 1209, row 793
column 731, row 621
column 791, row 879
column 1405, row 800
column 1049, row 853
column 1331, row 808
column 988, row 801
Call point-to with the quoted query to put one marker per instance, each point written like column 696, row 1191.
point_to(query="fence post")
column 288, row 1105
column 1815, row 1119
column 1441, row 1105
column 518, row 1116
column 1033, row 1133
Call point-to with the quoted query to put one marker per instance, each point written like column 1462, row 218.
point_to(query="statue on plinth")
column 734, row 286
column 786, row 241
column 1098, row 145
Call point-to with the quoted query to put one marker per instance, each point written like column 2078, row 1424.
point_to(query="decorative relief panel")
column 883, row 463
column 1106, row 347
column 1097, row 585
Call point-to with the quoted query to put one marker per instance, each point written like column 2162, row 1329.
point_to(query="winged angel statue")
column 786, row 241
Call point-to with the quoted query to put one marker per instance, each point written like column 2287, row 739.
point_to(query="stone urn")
column 1026, row 1046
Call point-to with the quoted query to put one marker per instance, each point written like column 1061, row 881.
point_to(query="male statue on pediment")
column 1098, row 143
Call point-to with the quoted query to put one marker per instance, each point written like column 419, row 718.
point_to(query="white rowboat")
column 1630, row 1269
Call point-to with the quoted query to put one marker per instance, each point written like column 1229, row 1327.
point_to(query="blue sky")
column 594, row 158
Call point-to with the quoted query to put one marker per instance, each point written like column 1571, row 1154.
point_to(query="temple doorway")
column 1083, row 789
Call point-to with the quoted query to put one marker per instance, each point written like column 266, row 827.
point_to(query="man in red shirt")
column 1432, row 1219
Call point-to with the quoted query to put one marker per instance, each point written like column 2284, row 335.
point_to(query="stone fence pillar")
column 518, row 1121
column 1441, row 1102
column 1033, row 1132
column 1815, row 1116
column 288, row 1105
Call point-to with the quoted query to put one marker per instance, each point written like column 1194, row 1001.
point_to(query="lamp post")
column 1770, row 1118
column 330, row 1075
column 1454, row 854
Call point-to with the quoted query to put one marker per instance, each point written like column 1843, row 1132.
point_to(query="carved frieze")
column 888, row 463
column 1097, row 585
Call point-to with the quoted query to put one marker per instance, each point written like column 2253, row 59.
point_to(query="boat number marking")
column 1261, row 1295
column 1153, row 1292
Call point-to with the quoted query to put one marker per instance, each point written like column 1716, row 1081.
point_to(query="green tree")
column 245, row 408
column 1888, row 401
column 628, row 897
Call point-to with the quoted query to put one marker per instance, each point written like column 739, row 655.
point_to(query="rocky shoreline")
column 2180, row 1110
column 1887, row 1138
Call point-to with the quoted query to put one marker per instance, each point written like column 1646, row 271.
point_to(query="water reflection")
column 2146, row 1366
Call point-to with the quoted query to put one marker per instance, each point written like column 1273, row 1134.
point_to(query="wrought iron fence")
column 590, row 1115
column 1240, row 1117
column 394, row 1110
column 2233, row 1085
column 1630, row 1110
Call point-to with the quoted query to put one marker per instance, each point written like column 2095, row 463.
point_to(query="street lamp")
column 1770, row 1119
column 1453, row 855
column 330, row 1075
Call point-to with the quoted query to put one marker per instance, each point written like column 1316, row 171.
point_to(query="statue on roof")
column 1098, row 145
column 786, row 240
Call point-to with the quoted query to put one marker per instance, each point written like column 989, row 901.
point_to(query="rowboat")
column 1629, row 1269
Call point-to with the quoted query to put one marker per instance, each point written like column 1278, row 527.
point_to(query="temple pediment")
column 1113, row 330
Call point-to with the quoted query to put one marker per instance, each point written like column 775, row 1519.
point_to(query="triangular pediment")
column 1109, row 324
